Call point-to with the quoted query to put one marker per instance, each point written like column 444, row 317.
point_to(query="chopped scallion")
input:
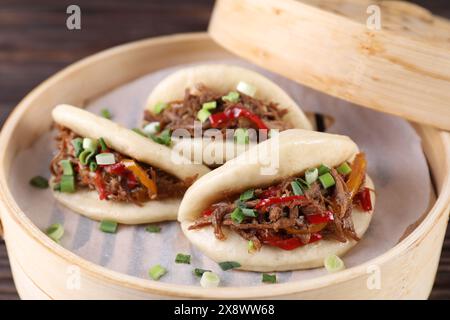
column 90, row 144
column 67, row 184
column 237, row 215
column 85, row 156
column 251, row 246
column 106, row 113
column 323, row 169
column 228, row 265
column 232, row 96
column 105, row 159
column 344, row 169
column 248, row 212
column 67, row 167
column 93, row 166
column 327, row 180
column 152, row 127
column 139, row 132
column 296, row 188
column 199, row 272
column 246, row 88
column 302, row 183
column 153, row 228
column 159, row 107
column 241, row 136
column 55, row 231
column 108, row 226
column 333, row 263
column 247, row 195
column 209, row 280
column 211, row 105
column 163, row 138
column 269, row 278
column 183, row 258
column 39, row 182
column 102, row 144
column 156, row 272
column 203, row 115
column 77, row 144
column 311, row 175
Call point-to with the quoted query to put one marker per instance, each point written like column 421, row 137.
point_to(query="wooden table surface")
column 35, row 43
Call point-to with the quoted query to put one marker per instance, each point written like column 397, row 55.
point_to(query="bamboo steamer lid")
column 390, row 56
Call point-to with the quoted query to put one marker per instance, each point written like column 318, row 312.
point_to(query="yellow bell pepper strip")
column 357, row 175
column 142, row 176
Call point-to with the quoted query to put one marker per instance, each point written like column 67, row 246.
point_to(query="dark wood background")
column 34, row 44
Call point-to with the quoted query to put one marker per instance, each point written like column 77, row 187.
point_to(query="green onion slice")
column 108, row 226
column 183, row 258
column 247, row 195
column 327, row 180
column 248, row 212
column 85, row 156
column 164, row 138
column 156, row 272
column 296, row 188
column 90, row 144
column 55, row 231
column 209, row 280
column 106, row 113
column 153, row 228
column 203, row 115
column 67, row 184
column 39, row 182
column 269, row 278
column 102, row 144
column 199, row 272
column 241, row 136
column 228, row 265
column 139, row 131
column 93, row 166
column 344, row 169
column 246, row 88
column 159, row 107
column 323, row 169
column 67, row 167
column 250, row 246
column 105, row 159
column 311, row 175
column 333, row 263
column 77, row 144
column 232, row 96
column 211, row 105
column 152, row 127
column 237, row 215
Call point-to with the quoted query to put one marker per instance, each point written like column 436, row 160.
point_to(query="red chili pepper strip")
column 131, row 180
column 207, row 212
column 100, row 185
column 218, row 119
column 290, row 243
column 269, row 201
column 270, row 192
column 319, row 218
column 364, row 199
column 117, row 168
column 236, row 112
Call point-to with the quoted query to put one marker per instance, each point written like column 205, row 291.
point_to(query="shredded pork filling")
column 122, row 186
column 282, row 223
column 182, row 114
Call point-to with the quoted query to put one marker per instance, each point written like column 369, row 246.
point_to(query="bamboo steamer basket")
column 41, row 268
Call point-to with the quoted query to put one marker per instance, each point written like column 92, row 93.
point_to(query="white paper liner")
column 396, row 164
